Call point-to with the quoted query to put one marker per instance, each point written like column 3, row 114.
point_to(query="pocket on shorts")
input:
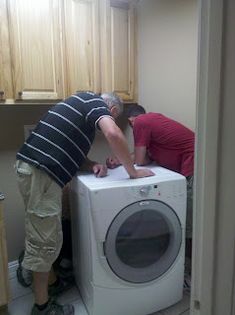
column 49, row 197
column 23, row 168
column 44, row 235
column 43, row 240
column 24, row 176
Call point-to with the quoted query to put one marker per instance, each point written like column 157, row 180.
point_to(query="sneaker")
column 24, row 276
column 65, row 269
column 54, row 309
column 62, row 286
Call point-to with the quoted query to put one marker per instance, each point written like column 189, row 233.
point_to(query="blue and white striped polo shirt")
column 62, row 139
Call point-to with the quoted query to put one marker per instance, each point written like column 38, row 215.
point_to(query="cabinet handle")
column 20, row 94
column 1, row 94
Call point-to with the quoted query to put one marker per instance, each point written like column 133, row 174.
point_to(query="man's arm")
column 119, row 146
column 141, row 156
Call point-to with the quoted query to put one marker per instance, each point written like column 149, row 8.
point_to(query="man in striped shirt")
column 47, row 161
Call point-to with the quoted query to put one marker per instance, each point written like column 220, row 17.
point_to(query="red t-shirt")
column 168, row 143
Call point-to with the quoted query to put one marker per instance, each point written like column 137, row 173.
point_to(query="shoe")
column 62, row 286
column 24, row 276
column 65, row 269
column 54, row 309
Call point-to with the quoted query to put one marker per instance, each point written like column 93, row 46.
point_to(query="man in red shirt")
column 163, row 140
column 168, row 143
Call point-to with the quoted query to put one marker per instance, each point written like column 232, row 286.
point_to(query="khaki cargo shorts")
column 42, row 199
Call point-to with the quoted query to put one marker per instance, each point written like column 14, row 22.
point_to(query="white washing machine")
column 128, row 241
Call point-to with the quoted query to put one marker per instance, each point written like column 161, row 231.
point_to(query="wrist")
column 131, row 171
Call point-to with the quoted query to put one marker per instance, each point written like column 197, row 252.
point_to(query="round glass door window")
column 143, row 241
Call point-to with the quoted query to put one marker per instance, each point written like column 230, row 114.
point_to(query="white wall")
column 167, row 57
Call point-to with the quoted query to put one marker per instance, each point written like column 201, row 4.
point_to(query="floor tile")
column 17, row 290
column 80, row 308
column 23, row 299
column 21, row 305
column 180, row 308
column 72, row 295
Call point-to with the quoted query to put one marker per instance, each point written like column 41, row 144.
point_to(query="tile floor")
column 22, row 300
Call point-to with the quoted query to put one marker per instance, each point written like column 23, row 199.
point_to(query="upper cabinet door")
column 118, row 47
column 81, row 31
column 5, row 60
column 36, row 49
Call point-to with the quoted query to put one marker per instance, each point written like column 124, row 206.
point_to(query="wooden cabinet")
column 118, row 47
column 37, row 69
column 50, row 49
column 4, row 282
column 81, row 33
column 6, row 90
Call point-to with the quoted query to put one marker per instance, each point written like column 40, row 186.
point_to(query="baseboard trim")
column 12, row 267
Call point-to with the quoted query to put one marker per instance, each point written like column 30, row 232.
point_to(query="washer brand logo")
column 144, row 203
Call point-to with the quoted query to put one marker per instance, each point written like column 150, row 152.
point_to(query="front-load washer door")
column 143, row 241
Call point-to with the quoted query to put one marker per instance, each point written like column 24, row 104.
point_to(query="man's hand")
column 112, row 162
column 143, row 172
column 119, row 146
column 99, row 170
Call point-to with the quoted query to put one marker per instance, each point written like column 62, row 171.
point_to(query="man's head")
column 114, row 103
column 133, row 112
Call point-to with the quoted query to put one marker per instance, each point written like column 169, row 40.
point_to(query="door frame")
column 214, row 233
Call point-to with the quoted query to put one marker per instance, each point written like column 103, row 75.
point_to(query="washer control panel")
column 162, row 190
column 144, row 191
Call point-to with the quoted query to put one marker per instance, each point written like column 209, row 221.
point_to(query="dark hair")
column 135, row 110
